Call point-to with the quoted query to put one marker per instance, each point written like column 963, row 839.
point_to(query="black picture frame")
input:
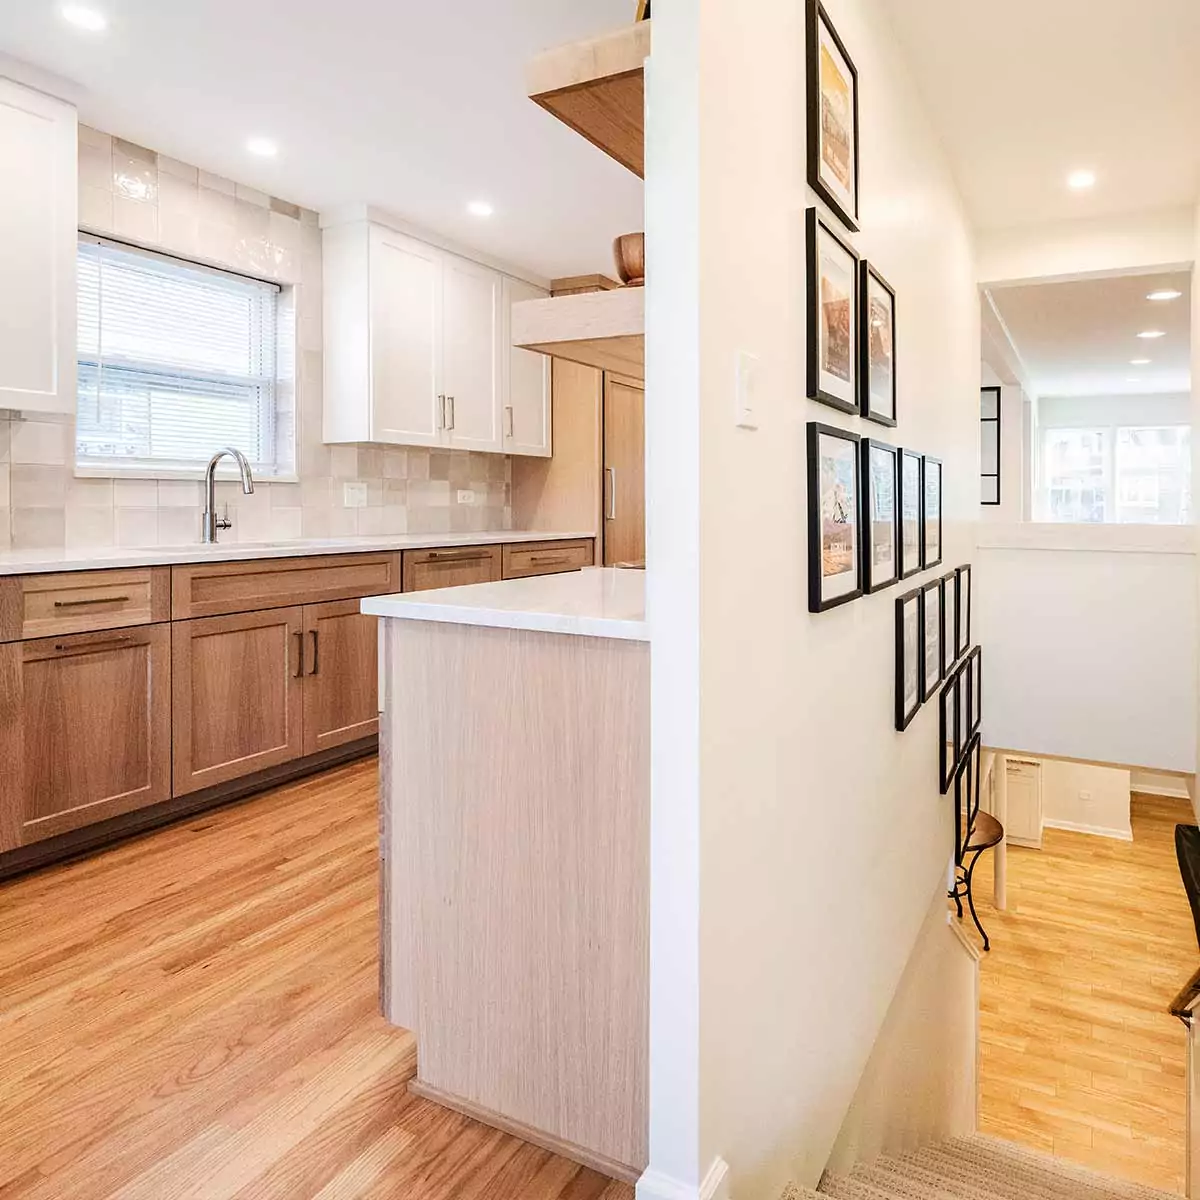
column 962, row 639
column 910, row 488
column 907, row 661
column 927, row 462
column 872, row 529
column 930, row 681
column 974, row 671
column 818, row 601
column 816, row 20
column 866, row 323
column 816, row 227
column 950, row 654
column 949, row 733
column 966, row 796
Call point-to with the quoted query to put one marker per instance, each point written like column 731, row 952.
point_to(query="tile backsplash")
column 136, row 195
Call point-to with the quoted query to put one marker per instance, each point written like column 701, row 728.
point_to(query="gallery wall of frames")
column 875, row 509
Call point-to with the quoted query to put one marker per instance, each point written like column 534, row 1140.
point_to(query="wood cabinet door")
column 85, row 730
column 238, row 695
column 526, row 412
column 624, row 473
column 341, row 682
column 425, row 569
column 405, row 303
column 471, row 307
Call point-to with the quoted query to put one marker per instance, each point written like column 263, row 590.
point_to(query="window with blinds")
column 175, row 361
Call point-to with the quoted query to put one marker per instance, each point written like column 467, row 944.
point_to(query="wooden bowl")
column 629, row 253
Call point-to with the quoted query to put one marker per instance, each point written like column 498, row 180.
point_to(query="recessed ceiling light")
column 1150, row 334
column 263, row 147
column 480, row 208
column 1081, row 179
column 83, row 17
column 1139, row 362
column 1165, row 294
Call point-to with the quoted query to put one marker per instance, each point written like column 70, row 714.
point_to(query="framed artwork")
column 949, row 730
column 643, row 11
column 908, row 658
column 962, row 638
column 931, row 638
column 931, row 511
column 974, row 705
column 966, row 796
column 832, row 317
column 877, row 346
column 834, row 537
column 832, row 117
column 881, row 515
column 950, row 620
column 910, row 513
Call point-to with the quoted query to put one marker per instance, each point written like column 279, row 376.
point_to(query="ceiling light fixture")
column 263, row 147
column 1165, row 294
column 83, row 17
column 480, row 208
column 1150, row 334
column 1139, row 362
column 1081, row 179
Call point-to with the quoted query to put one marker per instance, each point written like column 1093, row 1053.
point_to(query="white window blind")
column 175, row 361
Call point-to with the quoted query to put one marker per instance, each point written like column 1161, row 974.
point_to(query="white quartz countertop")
column 605, row 602
column 32, row 562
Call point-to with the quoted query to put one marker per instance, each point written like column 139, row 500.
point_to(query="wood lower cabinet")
column 85, row 730
column 341, row 681
column 238, row 695
column 624, row 473
column 425, row 569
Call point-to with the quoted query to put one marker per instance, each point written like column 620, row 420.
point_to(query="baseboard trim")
column 1165, row 793
column 527, row 1133
column 1119, row 835
column 654, row 1185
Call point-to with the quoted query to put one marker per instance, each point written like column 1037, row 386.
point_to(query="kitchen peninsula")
column 514, row 735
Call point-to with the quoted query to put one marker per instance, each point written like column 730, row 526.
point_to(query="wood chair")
column 985, row 834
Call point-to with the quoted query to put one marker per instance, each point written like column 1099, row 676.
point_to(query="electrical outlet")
column 1085, row 797
column 354, row 495
column 466, row 496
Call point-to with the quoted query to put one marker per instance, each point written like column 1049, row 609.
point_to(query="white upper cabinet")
column 525, row 421
column 417, row 348
column 38, row 231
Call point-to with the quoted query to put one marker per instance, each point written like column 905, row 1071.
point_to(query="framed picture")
column 931, row 638
column 966, row 796
column 910, row 513
column 832, row 117
column 834, row 538
column 974, row 677
column 962, row 639
column 881, row 514
column 908, row 658
column 832, row 317
column 931, row 511
column 877, row 346
column 950, row 619
column 643, row 10
column 949, row 731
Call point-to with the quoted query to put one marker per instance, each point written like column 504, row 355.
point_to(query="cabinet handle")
column 298, row 634
column 91, row 600
column 316, row 649
column 85, row 647
column 464, row 556
column 508, row 421
column 611, row 472
column 450, row 402
column 441, row 412
column 557, row 558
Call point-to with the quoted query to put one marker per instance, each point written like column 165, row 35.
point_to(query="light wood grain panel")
column 547, row 558
column 572, row 285
column 193, row 1013
column 212, row 589
column 563, row 493
column 520, row 809
column 12, row 746
column 341, row 702
column 238, row 695
column 12, row 607
column 425, row 569
column 625, row 473
column 599, row 329
column 96, row 719
column 80, row 601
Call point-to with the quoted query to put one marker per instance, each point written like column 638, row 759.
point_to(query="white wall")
column 774, row 755
column 1086, row 798
column 1057, row 412
column 1089, row 636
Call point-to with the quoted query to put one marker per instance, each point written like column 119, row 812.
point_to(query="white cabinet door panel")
column 525, row 420
column 471, row 353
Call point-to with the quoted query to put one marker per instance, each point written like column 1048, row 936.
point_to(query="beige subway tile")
column 38, row 528
column 42, row 442
column 137, row 526
column 96, row 167
column 89, row 526
column 286, row 524
column 172, row 167
column 217, row 183
column 96, row 209
column 37, row 487
column 343, row 461
column 135, row 493
column 94, row 138
column 314, row 522
column 180, row 493
column 252, row 196
column 5, row 529
column 178, row 526
column 135, row 219
column 91, row 492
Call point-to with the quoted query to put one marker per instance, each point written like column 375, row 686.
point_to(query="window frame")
column 990, row 421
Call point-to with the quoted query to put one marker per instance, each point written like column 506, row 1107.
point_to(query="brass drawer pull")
column 92, row 600
column 468, row 556
column 557, row 558
column 85, row 647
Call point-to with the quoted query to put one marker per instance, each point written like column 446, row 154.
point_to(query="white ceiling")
column 413, row 105
column 1024, row 91
column 1077, row 338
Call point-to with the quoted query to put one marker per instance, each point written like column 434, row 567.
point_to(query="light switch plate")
column 745, row 398
column 354, row 495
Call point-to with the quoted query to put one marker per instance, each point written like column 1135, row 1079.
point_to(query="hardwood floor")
column 194, row 1014
column 1079, row 1055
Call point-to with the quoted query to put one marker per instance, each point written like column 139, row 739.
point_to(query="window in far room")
column 1075, row 465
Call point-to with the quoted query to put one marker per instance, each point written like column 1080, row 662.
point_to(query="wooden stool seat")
column 986, row 832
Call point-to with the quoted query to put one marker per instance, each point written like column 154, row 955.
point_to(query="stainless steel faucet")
column 211, row 521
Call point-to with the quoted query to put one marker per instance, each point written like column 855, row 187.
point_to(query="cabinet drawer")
column 36, row 606
column 452, row 567
column 214, row 589
column 547, row 558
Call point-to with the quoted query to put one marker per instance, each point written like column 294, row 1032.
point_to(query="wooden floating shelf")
column 596, row 87
column 599, row 329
